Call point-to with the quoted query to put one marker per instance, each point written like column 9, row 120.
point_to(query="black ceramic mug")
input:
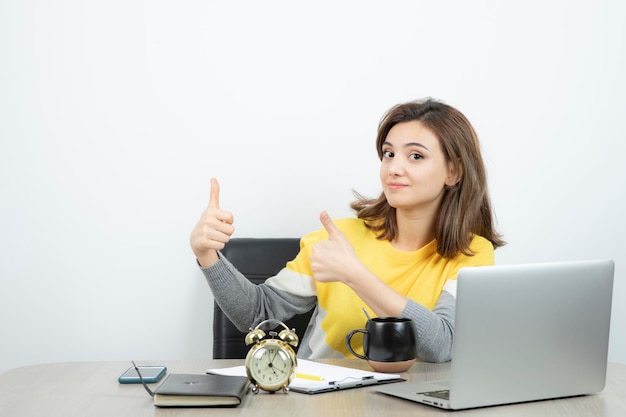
column 389, row 343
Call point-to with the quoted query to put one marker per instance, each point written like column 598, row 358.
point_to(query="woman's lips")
column 395, row 185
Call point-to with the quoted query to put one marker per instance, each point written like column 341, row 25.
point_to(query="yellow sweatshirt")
column 420, row 275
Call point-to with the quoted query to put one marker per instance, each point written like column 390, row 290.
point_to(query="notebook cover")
column 191, row 390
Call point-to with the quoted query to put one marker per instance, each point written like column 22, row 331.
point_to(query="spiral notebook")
column 315, row 377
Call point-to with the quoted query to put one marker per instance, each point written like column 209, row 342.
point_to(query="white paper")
column 333, row 377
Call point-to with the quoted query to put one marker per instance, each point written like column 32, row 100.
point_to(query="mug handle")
column 349, row 346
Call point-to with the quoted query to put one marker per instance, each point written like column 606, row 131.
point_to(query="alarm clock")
column 271, row 363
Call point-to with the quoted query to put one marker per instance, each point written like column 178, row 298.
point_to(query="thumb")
column 328, row 224
column 214, row 200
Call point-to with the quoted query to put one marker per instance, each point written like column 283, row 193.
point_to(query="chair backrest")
column 257, row 259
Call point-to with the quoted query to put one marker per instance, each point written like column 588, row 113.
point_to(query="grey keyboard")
column 443, row 394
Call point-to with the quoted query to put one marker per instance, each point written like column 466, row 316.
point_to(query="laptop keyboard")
column 443, row 394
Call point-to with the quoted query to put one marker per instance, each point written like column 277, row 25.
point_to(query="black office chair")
column 257, row 259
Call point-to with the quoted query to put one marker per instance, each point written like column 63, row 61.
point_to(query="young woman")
column 399, row 257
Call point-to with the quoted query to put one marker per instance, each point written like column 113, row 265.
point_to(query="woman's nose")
column 395, row 168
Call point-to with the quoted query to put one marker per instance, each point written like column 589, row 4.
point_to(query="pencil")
column 313, row 377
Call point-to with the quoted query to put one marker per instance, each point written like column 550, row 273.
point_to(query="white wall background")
column 115, row 114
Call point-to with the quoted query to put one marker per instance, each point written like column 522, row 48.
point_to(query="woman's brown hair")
column 465, row 208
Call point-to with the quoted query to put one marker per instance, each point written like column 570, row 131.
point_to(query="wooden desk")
column 90, row 389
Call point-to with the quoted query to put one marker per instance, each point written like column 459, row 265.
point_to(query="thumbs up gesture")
column 331, row 259
column 213, row 230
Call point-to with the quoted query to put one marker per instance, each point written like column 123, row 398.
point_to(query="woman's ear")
column 455, row 173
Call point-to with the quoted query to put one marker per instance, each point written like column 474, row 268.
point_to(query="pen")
column 354, row 382
column 313, row 377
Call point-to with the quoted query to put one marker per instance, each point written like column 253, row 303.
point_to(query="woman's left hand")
column 332, row 259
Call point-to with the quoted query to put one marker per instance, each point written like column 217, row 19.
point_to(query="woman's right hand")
column 213, row 230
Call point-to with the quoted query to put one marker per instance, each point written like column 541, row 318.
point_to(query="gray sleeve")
column 247, row 304
column 435, row 329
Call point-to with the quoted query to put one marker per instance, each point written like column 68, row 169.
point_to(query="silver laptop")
column 524, row 333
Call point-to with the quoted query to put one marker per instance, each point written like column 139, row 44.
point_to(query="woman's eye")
column 416, row 156
column 387, row 154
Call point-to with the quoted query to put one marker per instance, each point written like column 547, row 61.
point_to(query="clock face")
column 271, row 366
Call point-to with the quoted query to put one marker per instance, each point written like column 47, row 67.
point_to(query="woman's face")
column 414, row 170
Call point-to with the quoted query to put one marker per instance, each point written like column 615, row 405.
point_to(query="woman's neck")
column 415, row 230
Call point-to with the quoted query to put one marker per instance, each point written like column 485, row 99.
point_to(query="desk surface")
column 90, row 389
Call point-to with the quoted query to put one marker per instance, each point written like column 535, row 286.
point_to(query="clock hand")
column 270, row 364
column 272, row 361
